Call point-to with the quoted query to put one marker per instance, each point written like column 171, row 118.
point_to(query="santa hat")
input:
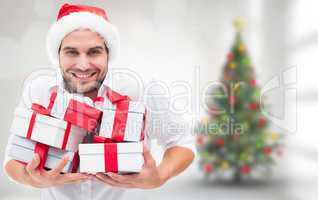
column 72, row 17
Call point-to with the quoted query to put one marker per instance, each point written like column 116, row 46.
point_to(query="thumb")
column 31, row 166
column 149, row 161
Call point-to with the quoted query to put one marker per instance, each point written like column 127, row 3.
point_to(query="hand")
column 149, row 177
column 43, row 179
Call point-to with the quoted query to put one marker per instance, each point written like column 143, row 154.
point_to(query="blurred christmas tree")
column 234, row 137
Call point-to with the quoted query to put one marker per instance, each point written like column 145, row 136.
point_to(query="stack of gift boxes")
column 115, row 123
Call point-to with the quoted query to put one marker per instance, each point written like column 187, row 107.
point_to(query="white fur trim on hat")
column 77, row 20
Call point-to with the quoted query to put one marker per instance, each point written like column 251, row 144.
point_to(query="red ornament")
column 200, row 139
column 253, row 82
column 253, row 106
column 267, row 150
column 230, row 56
column 208, row 168
column 245, row 169
column 219, row 142
column 232, row 100
column 262, row 121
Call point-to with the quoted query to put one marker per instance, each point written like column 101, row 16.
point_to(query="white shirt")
column 167, row 128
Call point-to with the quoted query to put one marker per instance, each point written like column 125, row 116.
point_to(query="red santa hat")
column 72, row 17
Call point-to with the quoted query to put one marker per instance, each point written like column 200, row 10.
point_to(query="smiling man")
column 81, row 44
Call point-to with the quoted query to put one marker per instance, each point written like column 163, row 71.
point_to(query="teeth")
column 83, row 75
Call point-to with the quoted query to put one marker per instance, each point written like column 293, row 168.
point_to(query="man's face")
column 83, row 60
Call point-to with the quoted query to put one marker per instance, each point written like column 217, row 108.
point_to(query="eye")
column 71, row 53
column 94, row 52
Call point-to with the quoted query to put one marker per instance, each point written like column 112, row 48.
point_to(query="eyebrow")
column 92, row 48
column 96, row 48
column 68, row 48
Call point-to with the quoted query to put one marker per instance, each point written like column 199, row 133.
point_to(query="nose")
column 83, row 62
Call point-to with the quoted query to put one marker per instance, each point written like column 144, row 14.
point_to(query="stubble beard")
column 74, row 87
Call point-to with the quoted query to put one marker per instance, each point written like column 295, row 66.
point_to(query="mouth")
column 83, row 76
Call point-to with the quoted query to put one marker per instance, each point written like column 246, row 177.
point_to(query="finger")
column 123, row 179
column 149, row 161
column 59, row 168
column 74, row 182
column 106, row 179
column 74, row 177
column 31, row 166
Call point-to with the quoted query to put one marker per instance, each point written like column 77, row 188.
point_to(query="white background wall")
column 169, row 41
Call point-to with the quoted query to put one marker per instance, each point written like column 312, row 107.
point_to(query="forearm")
column 18, row 173
column 175, row 160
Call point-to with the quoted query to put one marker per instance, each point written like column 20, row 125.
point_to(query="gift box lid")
column 122, row 148
column 134, row 106
column 77, row 103
column 24, row 113
column 30, row 145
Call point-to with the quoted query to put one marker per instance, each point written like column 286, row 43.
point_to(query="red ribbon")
column 115, row 97
column 100, row 139
column 120, row 121
column 98, row 99
column 142, row 135
column 79, row 113
column 110, row 157
column 66, row 135
column 31, row 126
column 75, row 162
column 121, row 114
column 41, row 109
column 42, row 150
column 43, row 154
column 52, row 100
column 83, row 115
column 110, row 153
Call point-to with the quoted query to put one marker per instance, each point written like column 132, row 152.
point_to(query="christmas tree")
column 235, row 137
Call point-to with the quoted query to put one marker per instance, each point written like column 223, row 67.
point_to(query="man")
column 81, row 43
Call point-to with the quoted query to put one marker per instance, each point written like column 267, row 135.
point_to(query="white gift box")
column 134, row 127
column 47, row 130
column 98, row 158
column 22, row 149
